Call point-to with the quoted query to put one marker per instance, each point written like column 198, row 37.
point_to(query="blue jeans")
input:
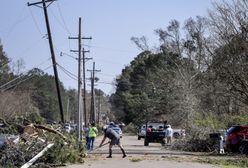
column 91, row 143
column 87, row 142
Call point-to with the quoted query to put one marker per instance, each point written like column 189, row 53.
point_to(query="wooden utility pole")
column 84, row 83
column 67, row 110
column 44, row 6
column 99, row 108
column 93, row 110
column 80, row 110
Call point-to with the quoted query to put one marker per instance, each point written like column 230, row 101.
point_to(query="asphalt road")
column 139, row 156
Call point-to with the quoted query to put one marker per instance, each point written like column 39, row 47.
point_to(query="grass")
column 135, row 160
column 225, row 166
column 240, row 162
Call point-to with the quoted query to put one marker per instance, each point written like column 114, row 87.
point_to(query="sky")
column 110, row 23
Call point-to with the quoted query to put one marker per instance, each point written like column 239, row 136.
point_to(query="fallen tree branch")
column 4, row 122
column 50, row 130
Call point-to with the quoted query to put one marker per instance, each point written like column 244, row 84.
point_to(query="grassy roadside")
column 224, row 161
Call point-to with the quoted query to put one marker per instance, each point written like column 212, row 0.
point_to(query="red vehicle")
column 236, row 138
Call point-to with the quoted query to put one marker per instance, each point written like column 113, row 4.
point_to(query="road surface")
column 139, row 156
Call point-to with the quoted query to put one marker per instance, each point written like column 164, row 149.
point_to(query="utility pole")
column 84, row 83
column 80, row 111
column 99, row 109
column 67, row 110
column 93, row 111
column 44, row 6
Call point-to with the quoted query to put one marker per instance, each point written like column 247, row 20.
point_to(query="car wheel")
column 243, row 148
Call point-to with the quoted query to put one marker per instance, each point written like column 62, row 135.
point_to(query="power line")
column 18, row 20
column 106, row 74
column 62, row 18
column 62, row 53
column 35, row 23
column 22, row 75
column 24, row 79
column 109, row 62
column 112, row 49
column 68, row 73
column 107, row 83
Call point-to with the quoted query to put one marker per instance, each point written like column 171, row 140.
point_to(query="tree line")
column 32, row 95
column 196, row 77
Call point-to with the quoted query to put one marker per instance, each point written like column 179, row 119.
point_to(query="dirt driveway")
column 139, row 156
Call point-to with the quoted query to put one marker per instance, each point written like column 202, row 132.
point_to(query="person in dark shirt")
column 114, row 140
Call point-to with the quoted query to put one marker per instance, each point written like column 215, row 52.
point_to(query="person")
column 169, row 134
column 92, row 135
column 114, row 140
column 221, row 145
column 86, row 132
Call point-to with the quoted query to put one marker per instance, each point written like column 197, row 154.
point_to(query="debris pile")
column 28, row 144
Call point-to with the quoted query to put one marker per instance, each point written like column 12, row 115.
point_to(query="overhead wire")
column 62, row 18
column 68, row 73
column 23, row 74
column 14, row 85
column 104, row 74
column 17, row 21
column 107, row 83
column 63, row 25
column 35, row 23
column 107, row 48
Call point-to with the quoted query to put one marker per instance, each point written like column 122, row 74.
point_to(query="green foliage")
column 130, row 129
column 238, row 120
column 149, row 88
column 211, row 121
column 35, row 118
column 62, row 153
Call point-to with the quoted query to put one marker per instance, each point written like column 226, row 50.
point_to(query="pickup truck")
column 155, row 132
column 236, row 139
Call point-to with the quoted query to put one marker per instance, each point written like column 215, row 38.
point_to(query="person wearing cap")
column 114, row 140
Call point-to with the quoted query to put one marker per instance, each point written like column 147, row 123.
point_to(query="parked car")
column 236, row 138
column 68, row 127
column 155, row 132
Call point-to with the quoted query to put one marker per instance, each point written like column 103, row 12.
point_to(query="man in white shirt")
column 169, row 134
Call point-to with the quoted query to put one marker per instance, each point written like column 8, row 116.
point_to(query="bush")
column 62, row 153
column 130, row 128
column 35, row 118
